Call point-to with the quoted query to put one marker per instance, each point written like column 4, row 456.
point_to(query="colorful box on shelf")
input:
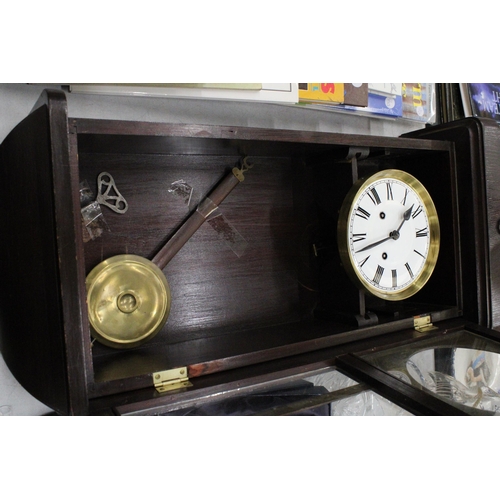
column 323, row 93
column 378, row 104
column 419, row 102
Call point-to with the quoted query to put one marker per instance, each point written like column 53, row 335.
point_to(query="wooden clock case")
column 284, row 306
column 477, row 154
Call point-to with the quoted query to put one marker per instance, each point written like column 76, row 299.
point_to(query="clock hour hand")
column 406, row 216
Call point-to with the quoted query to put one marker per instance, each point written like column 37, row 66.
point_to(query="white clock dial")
column 389, row 235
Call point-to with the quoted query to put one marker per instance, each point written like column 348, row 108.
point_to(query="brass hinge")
column 423, row 323
column 168, row 380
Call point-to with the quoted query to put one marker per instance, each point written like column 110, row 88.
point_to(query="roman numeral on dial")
column 358, row 237
column 389, row 191
column 410, row 272
column 374, row 196
column 361, row 264
column 417, row 212
column 403, row 201
column 361, row 212
column 378, row 275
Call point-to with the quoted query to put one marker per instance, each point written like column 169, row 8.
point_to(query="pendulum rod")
column 198, row 217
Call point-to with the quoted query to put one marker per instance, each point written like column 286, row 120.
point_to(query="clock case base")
column 285, row 299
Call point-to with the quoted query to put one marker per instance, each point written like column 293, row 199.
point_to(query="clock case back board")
column 287, row 294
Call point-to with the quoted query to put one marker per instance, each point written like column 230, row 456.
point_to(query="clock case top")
column 286, row 296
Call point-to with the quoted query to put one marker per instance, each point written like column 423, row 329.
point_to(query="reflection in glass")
column 366, row 404
column 459, row 367
column 321, row 393
column 470, row 377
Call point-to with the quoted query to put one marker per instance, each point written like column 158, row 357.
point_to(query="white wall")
column 17, row 100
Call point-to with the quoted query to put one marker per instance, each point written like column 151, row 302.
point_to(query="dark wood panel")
column 212, row 287
column 40, row 304
column 476, row 144
column 275, row 139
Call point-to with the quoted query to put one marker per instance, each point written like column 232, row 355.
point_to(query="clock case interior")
column 287, row 294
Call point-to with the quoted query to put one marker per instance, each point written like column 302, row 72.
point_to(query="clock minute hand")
column 371, row 245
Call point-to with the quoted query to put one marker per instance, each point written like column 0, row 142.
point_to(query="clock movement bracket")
column 364, row 317
column 341, row 300
column 354, row 154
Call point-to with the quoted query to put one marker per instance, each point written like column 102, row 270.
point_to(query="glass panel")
column 323, row 393
column 364, row 403
column 460, row 368
column 367, row 404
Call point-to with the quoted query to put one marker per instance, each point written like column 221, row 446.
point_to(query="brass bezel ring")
column 343, row 235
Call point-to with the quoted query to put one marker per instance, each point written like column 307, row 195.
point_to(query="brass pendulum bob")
column 128, row 296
